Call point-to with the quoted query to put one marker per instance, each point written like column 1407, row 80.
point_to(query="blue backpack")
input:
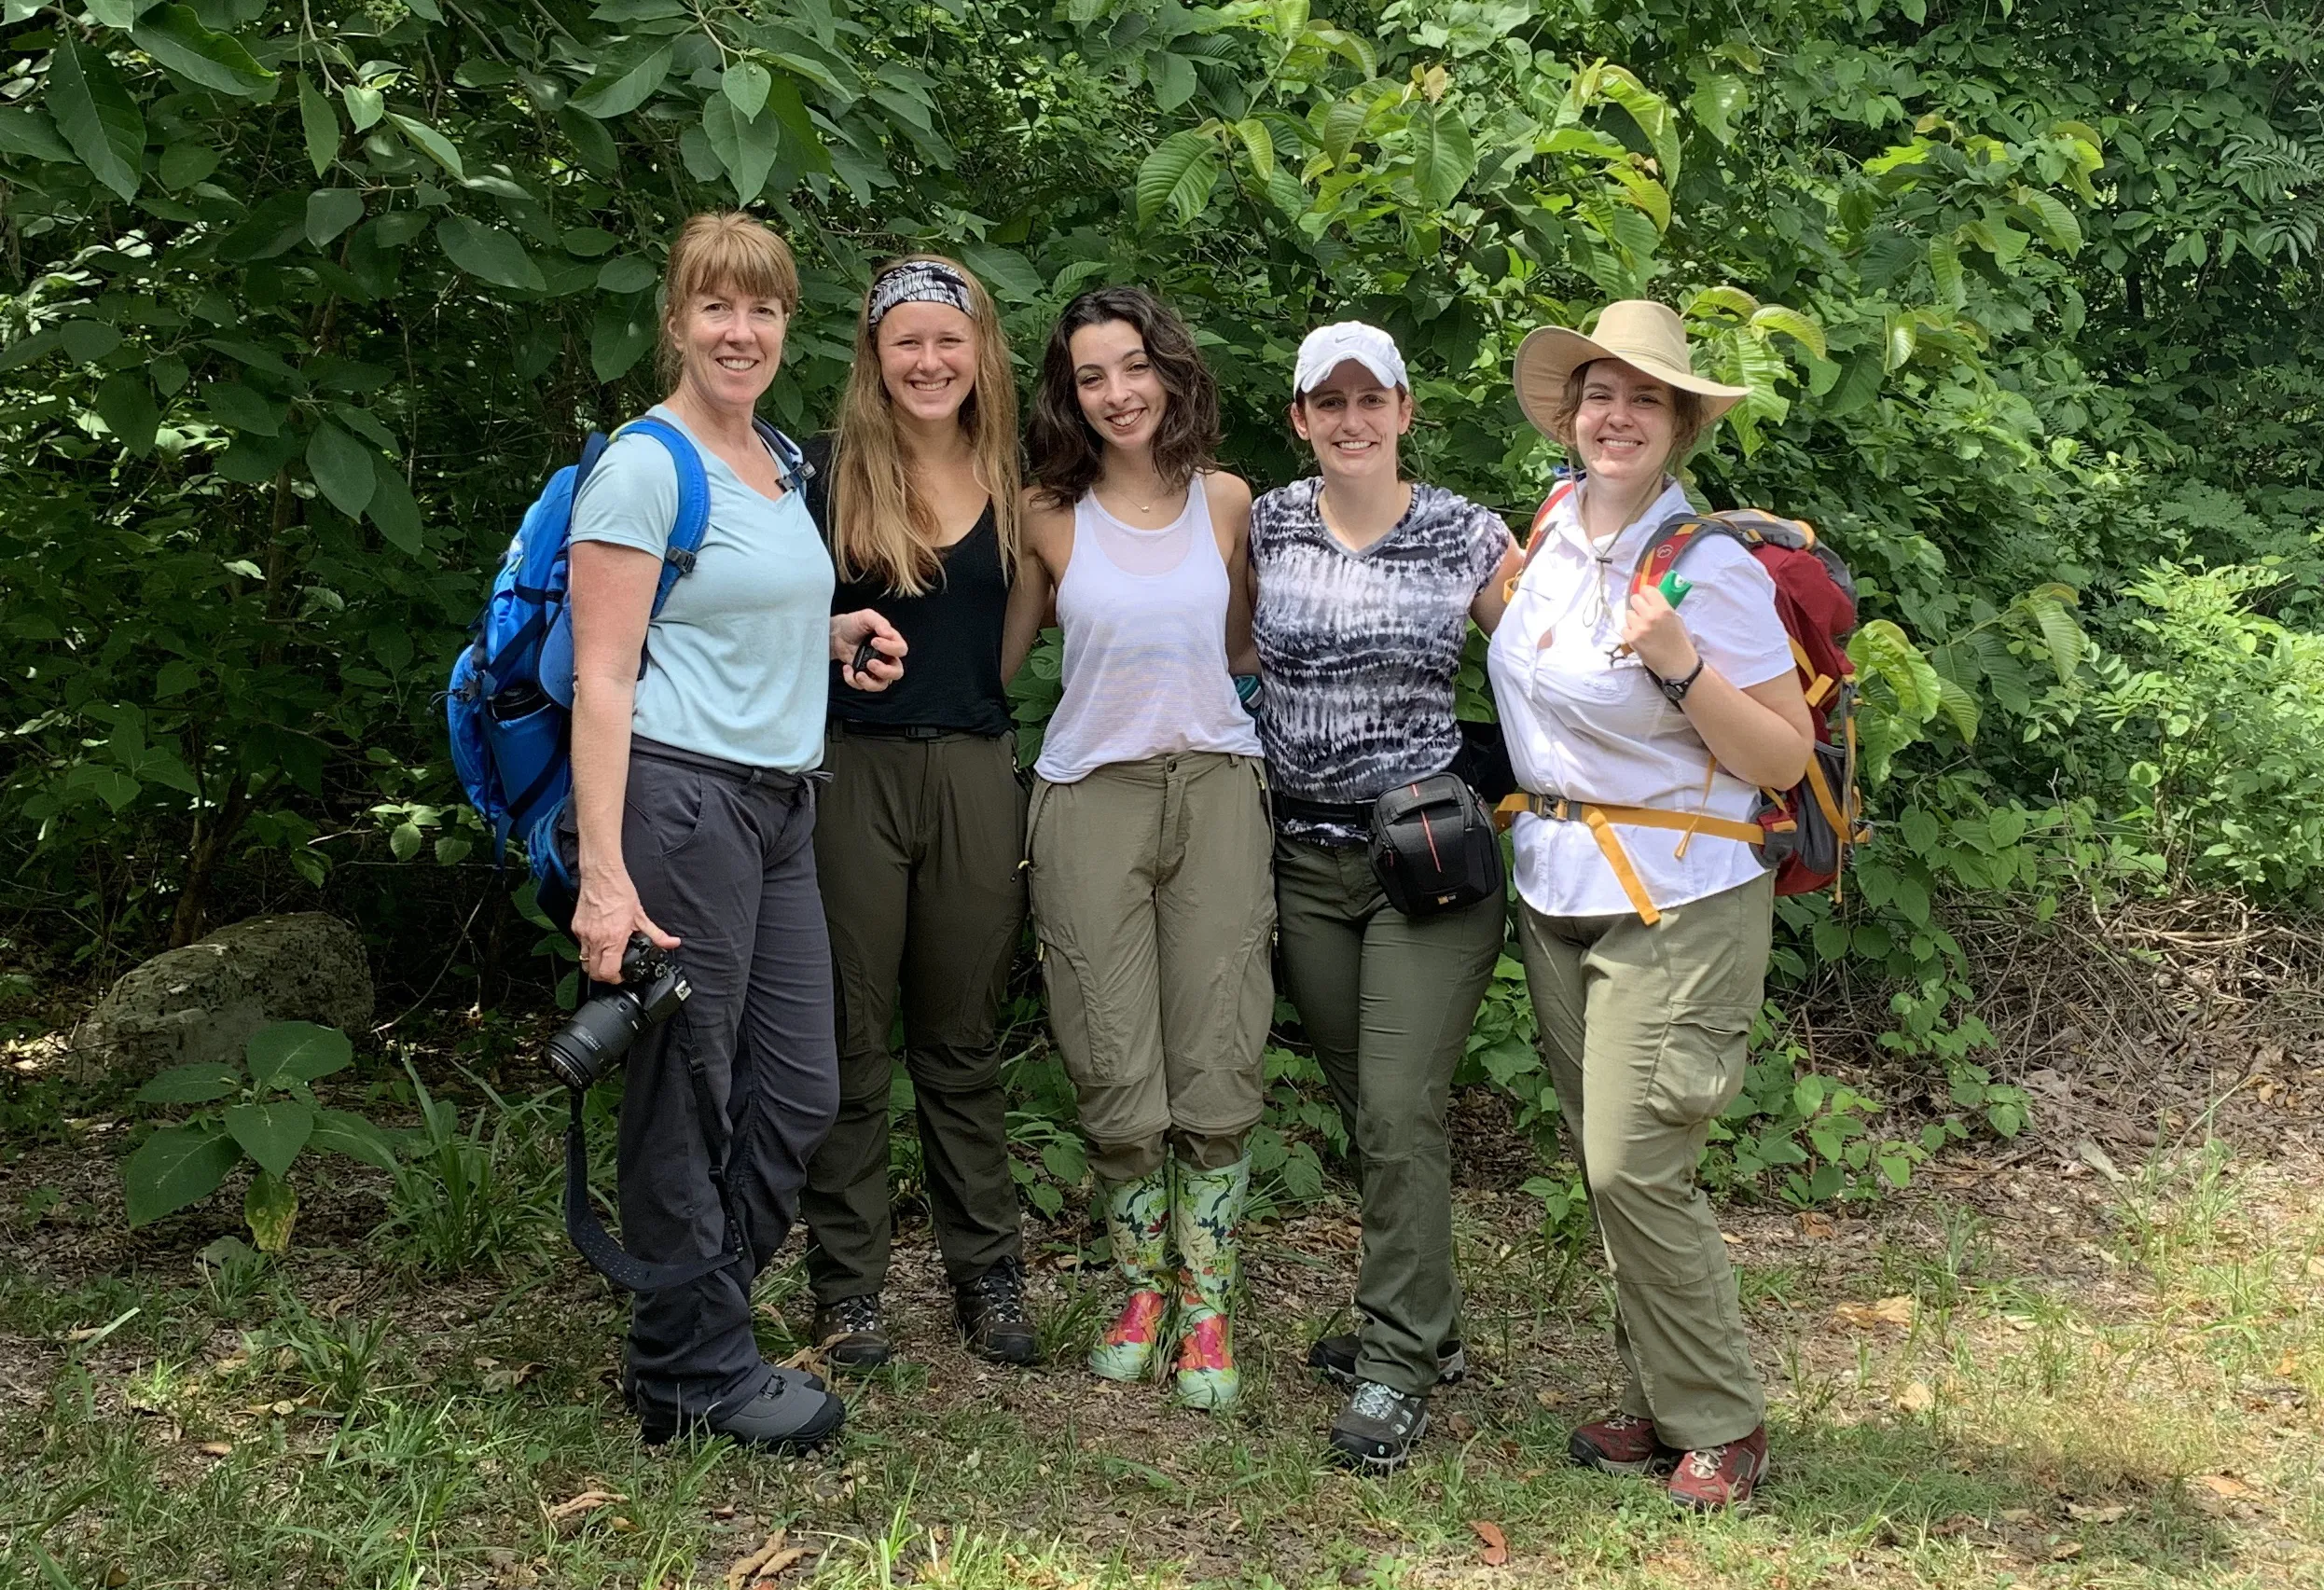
column 510, row 709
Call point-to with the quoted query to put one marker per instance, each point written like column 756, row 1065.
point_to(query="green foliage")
column 474, row 1195
column 266, row 1112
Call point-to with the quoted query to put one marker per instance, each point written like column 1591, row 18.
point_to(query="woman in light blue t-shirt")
column 693, row 732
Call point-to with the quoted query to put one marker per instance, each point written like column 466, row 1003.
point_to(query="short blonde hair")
column 1687, row 412
column 723, row 250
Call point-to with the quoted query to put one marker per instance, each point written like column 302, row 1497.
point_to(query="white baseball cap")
column 1328, row 347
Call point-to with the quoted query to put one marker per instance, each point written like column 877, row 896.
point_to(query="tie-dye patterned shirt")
column 1360, row 649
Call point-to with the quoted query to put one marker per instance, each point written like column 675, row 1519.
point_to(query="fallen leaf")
column 2226, row 1485
column 620, row 1526
column 1896, row 1311
column 1731, row 1239
column 2288, row 1366
column 781, row 1563
column 1459, row 1427
column 1916, row 1398
column 1818, row 1226
column 2316, row 1266
column 1496, row 1550
column 580, row 1506
column 748, row 1567
column 723, row 1512
column 2065, row 1551
column 2112, row 1513
column 215, row 1448
column 2017, row 1515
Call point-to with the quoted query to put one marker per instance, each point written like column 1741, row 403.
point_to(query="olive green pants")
column 1646, row 1032
column 1153, row 901
column 917, row 847
column 1388, row 1000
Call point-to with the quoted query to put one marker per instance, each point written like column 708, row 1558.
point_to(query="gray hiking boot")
column 1379, row 1427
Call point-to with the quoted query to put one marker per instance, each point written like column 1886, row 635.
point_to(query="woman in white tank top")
column 1148, row 835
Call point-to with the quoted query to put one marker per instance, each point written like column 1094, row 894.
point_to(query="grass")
column 2074, row 1382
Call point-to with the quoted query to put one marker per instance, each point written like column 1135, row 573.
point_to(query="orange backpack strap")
column 1557, row 494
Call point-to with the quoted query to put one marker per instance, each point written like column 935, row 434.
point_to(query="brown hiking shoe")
column 1712, row 1477
column 1622, row 1444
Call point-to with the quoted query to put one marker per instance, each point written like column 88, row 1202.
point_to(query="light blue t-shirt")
column 738, row 658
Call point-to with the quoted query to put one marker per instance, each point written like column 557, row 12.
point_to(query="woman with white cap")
column 1365, row 583
column 1646, row 960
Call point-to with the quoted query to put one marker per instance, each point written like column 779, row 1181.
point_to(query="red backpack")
column 1804, row 833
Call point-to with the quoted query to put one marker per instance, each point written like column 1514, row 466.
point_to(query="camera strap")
column 596, row 1244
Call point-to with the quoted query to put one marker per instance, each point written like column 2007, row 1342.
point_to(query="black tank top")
column 952, row 673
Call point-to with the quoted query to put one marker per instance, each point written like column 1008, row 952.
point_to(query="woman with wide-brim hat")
column 1645, row 985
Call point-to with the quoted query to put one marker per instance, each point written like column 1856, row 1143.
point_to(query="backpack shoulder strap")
column 693, row 523
column 1674, row 535
column 1533, row 542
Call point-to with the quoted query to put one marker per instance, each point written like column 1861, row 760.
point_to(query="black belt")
column 902, row 731
column 739, row 772
column 1357, row 814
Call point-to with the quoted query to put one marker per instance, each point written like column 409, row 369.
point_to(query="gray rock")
column 202, row 1002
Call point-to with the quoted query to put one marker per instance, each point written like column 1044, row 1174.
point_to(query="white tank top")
column 1144, row 616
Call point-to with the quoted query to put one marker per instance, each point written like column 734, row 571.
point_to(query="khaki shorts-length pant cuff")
column 1646, row 1034
column 1153, row 904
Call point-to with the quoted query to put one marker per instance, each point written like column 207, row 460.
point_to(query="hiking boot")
column 1711, row 1477
column 1375, row 1433
column 1335, row 1359
column 784, row 1417
column 850, row 1334
column 1205, row 1211
column 1625, row 1443
column 991, row 1314
column 1138, row 1223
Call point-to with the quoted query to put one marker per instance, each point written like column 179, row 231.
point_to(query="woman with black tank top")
column 922, row 830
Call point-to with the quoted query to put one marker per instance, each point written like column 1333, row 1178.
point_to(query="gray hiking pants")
column 722, row 858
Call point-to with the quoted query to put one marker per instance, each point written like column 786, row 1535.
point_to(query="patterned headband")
column 918, row 282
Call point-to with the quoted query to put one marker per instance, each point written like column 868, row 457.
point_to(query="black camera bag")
column 1433, row 846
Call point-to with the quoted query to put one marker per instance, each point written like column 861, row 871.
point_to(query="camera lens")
column 598, row 1034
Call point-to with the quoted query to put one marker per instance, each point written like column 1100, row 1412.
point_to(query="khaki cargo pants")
column 1646, row 1032
column 1153, row 904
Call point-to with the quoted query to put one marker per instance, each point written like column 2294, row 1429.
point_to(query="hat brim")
column 1551, row 353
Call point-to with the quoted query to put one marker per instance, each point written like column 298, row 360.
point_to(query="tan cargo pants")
column 1153, row 903
column 1646, row 1032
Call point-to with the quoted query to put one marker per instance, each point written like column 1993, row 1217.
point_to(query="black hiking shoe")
column 1335, row 1359
column 786, row 1416
column 993, row 1318
column 850, row 1334
column 1375, row 1433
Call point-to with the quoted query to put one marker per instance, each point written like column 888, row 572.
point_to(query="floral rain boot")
column 1137, row 1219
column 1204, row 1216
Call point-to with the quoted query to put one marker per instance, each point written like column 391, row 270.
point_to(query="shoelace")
column 1002, row 1290
column 860, row 1315
column 1374, row 1401
column 1703, row 1463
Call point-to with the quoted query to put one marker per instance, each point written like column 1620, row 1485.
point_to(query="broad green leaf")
column 1007, row 273
column 1260, row 145
column 2066, row 643
column 270, row 1209
column 185, row 164
column 1777, row 320
column 320, row 124
column 404, row 842
column 192, row 1085
column 1945, row 270
column 365, row 106
column 745, row 84
column 626, row 273
column 175, row 1166
column 1342, row 124
column 174, row 36
column 1173, row 79
column 489, row 254
column 430, row 142
column 590, row 141
column 1959, row 708
column 25, row 130
column 746, row 148
column 342, row 468
column 299, row 1049
column 271, row 1131
column 1651, row 113
column 1444, row 158
column 588, row 242
column 2052, row 219
column 94, row 112
column 396, row 513
column 1733, row 299
column 623, row 330
column 331, row 211
column 237, row 407
column 607, row 98
column 1900, row 341
column 125, row 402
column 338, row 1131
column 1179, row 174
column 1717, row 101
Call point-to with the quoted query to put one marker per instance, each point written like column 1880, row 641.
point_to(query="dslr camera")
column 651, row 990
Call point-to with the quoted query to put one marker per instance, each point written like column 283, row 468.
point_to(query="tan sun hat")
column 1640, row 332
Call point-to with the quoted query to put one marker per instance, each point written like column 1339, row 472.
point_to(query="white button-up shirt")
column 1593, row 727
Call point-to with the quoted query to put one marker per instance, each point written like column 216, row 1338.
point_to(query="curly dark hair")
column 1067, row 456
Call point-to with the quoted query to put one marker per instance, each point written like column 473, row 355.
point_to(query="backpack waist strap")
column 1600, row 820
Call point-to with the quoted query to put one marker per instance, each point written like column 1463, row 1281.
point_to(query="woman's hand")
column 1654, row 629
column 603, row 917
column 849, row 632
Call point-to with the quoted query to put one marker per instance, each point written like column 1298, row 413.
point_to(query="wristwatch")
column 1674, row 690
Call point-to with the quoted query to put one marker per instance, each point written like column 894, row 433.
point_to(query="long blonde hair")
column 882, row 523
